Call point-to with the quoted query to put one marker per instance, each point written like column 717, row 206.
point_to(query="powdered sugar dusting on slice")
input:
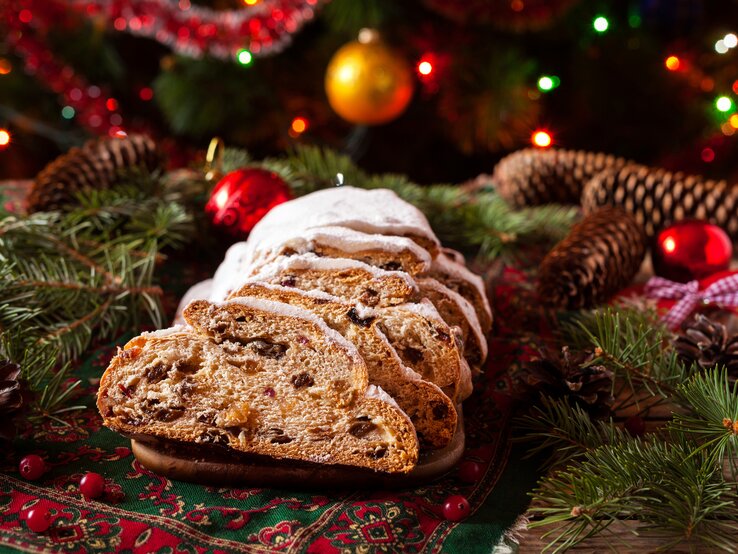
column 374, row 391
column 468, row 310
column 446, row 266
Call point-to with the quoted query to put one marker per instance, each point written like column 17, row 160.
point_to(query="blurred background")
column 438, row 90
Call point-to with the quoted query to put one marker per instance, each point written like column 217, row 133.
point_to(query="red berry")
column 92, row 485
column 470, row 472
column 32, row 467
column 38, row 519
column 456, row 508
column 635, row 425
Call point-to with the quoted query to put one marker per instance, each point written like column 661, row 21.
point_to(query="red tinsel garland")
column 262, row 29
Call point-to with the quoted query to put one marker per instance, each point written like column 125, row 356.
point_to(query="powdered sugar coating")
column 446, row 266
column 374, row 391
column 173, row 330
column 345, row 239
column 467, row 309
column 378, row 211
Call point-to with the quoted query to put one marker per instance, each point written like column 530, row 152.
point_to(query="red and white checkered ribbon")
column 689, row 296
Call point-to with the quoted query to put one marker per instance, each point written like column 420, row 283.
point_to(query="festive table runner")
column 143, row 512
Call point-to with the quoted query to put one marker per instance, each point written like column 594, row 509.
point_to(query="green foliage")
column 672, row 481
column 631, row 344
column 712, row 401
column 69, row 277
column 564, row 432
column 677, row 493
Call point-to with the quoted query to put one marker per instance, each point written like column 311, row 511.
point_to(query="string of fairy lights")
column 724, row 105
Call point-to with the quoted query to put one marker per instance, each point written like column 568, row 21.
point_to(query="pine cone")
column 656, row 198
column 11, row 399
column 599, row 257
column 98, row 164
column 566, row 375
column 532, row 177
column 707, row 344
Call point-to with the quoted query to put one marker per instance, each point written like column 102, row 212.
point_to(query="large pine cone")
column 99, row 164
column 656, row 198
column 567, row 375
column 599, row 257
column 532, row 177
column 707, row 344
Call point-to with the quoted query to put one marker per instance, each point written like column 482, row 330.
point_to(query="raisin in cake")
column 431, row 411
column 260, row 377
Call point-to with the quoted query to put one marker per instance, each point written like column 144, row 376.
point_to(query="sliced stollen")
column 426, row 344
column 348, row 279
column 392, row 253
column 431, row 411
column 377, row 211
column 457, row 312
column 259, row 377
column 458, row 278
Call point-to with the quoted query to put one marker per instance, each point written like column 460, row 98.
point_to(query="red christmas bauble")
column 92, row 485
column 456, row 508
column 243, row 197
column 691, row 250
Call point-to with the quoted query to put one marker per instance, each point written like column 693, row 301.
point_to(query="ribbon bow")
column 689, row 296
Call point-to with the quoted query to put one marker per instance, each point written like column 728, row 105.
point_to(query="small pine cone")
column 97, row 165
column 599, row 257
column 707, row 344
column 657, row 198
column 568, row 375
column 11, row 398
column 532, row 177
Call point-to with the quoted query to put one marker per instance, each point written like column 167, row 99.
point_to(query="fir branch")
column 633, row 347
column 677, row 493
column 713, row 419
column 564, row 432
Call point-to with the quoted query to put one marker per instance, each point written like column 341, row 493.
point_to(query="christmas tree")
column 464, row 82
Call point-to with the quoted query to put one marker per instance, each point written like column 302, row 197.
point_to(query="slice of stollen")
column 458, row 278
column 392, row 253
column 431, row 411
column 348, row 279
column 377, row 211
column 426, row 344
column 457, row 312
column 258, row 377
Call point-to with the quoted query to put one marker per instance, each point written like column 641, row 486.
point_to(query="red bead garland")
column 32, row 467
column 92, row 485
column 456, row 508
column 38, row 519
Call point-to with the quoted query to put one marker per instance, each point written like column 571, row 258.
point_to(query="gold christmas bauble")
column 367, row 82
